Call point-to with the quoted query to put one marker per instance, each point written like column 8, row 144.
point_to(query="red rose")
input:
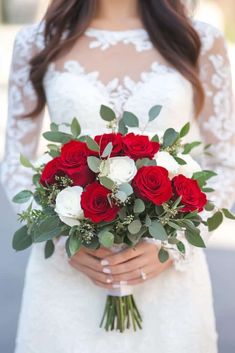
column 139, row 146
column 81, row 176
column 95, row 204
column 192, row 197
column 116, row 140
column 50, row 170
column 152, row 183
column 74, row 154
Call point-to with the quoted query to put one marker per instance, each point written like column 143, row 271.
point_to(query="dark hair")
column 166, row 21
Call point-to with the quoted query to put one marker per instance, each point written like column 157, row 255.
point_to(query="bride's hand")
column 107, row 269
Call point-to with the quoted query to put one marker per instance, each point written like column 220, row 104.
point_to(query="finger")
column 97, row 276
column 127, row 254
column 100, row 253
column 103, row 285
column 87, row 260
column 128, row 266
column 136, row 274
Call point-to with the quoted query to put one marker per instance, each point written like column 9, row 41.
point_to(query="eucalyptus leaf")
column 21, row 239
column 130, row 119
column 59, row 137
column 54, row 127
column 94, row 163
column 107, row 113
column 139, row 206
column 126, row 188
column 194, row 238
column 49, row 249
column 157, row 231
column 107, row 182
column 74, row 244
column 135, row 226
column 215, row 221
column 22, row 196
column 180, row 161
column 170, row 137
column 92, row 144
column 107, row 151
column 75, row 128
column 181, row 247
column 148, row 220
column 122, row 127
column 228, row 214
column 155, row 138
column 163, row 255
column 154, row 112
column 47, row 229
column 25, row 162
column 189, row 146
column 106, row 239
column 185, row 130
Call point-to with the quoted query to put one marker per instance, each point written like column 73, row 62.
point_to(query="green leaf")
column 54, row 127
column 22, row 196
column 36, row 179
column 185, row 130
column 155, row 138
column 170, row 137
column 135, row 226
column 208, row 190
column 122, row 127
column 47, row 229
column 21, row 239
column 195, row 238
column 75, row 128
column 157, row 231
column 107, row 151
column 67, row 247
column 107, row 113
column 154, row 112
column 139, row 206
column 163, row 255
column 92, row 145
column 49, row 249
column 25, row 162
column 148, row 220
column 94, row 163
column 189, row 146
column 180, row 161
column 106, row 238
column 59, row 137
column 174, row 225
column 74, row 244
column 228, row 214
column 121, row 195
column 106, row 182
column 130, row 119
column 181, row 247
column 126, row 188
column 204, row 174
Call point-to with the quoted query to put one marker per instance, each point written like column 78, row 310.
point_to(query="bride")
column 130, row 55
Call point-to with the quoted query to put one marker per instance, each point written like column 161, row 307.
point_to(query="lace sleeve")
column 22, row 134
column 217, row 120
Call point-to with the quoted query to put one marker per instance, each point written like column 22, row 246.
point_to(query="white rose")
column 164, row 159
column 119, row 169
column 191, row 167
column 68, row 205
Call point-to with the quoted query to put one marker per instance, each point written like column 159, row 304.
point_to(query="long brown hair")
column 166, row 21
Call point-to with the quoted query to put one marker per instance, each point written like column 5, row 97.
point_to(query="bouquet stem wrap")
column 121, row 311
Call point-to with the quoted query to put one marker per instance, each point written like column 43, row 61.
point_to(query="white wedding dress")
column 62, row 308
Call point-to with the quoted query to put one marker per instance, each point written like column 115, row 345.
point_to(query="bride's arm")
column 22, row 134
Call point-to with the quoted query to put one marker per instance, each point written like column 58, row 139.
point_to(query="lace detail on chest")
column 104, row 39
column 117, row 91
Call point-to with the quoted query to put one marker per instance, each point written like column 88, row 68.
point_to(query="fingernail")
column 109, row 280
column 104, row 262
column 106, row 270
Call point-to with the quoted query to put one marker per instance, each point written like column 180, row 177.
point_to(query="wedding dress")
column 62, row 308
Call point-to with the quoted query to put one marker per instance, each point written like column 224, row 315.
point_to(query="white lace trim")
column 104, row 39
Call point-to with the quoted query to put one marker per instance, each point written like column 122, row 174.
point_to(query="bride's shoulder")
column 209, row 34
column 30, row 38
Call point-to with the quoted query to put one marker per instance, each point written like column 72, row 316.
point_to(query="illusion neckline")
column 131, row 31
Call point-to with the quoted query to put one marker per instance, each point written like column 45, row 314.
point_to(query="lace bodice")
column 121, row 69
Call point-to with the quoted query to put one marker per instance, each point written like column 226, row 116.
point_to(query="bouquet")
column 115, row 190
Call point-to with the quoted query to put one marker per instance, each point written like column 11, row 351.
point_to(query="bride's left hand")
column 126, row 267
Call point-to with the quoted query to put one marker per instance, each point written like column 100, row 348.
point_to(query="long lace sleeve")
column 217, row 127
column 217, row 120
column 22, row 134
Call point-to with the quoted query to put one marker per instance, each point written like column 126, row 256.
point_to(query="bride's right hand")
column 89, row 262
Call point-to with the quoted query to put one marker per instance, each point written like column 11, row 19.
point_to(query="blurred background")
column 221, row 253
